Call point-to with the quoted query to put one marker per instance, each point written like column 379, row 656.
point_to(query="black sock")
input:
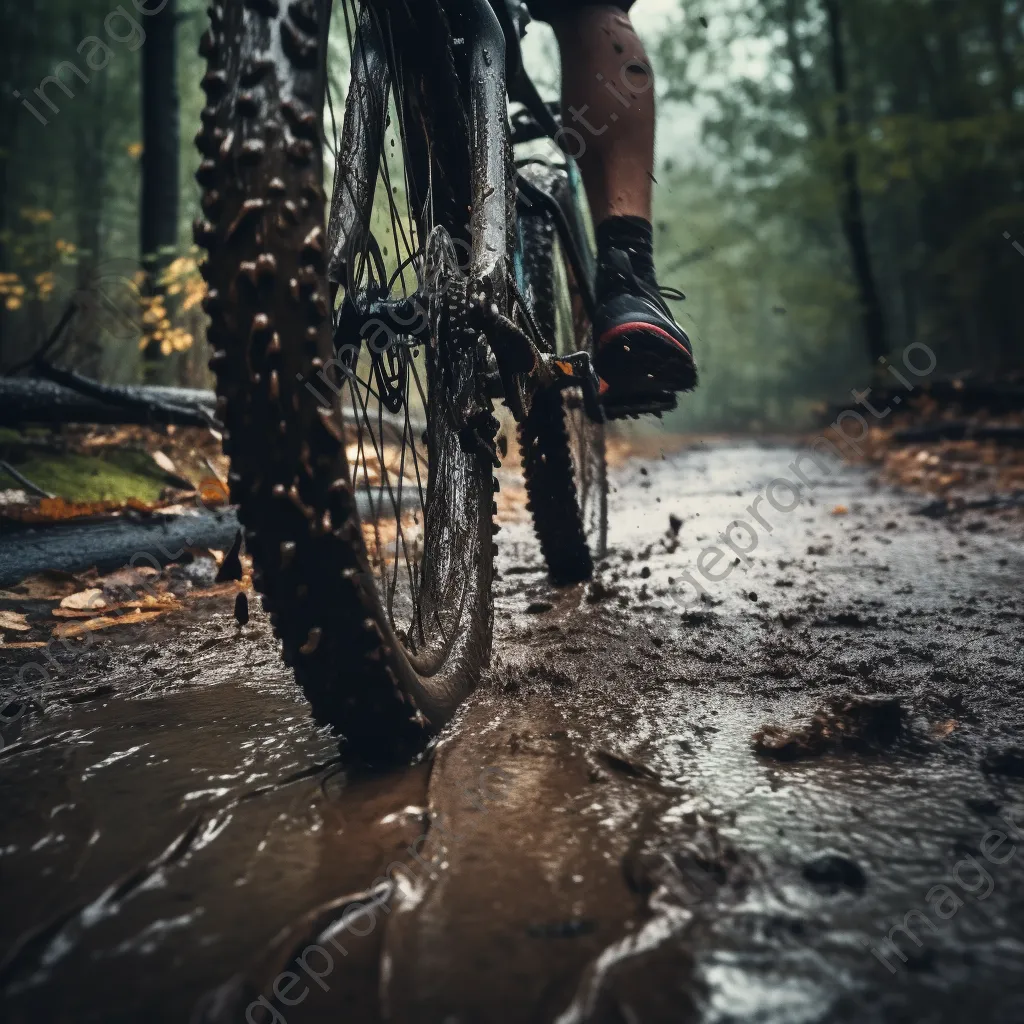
column 634, row 236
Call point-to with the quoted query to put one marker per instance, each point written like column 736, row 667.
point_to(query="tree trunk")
column 851, row 205
column 158, row 215
column 89, row 135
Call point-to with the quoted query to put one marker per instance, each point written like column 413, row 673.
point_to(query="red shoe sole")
column 620, row 329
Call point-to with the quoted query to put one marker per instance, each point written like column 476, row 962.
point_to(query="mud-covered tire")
column 569, row 538
column 263, row 224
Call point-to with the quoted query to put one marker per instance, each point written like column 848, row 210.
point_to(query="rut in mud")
column 674, row 798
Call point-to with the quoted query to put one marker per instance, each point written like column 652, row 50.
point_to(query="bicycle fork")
column 488, row 290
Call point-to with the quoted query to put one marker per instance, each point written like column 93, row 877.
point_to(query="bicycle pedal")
column 633, row 407
column 576, row 370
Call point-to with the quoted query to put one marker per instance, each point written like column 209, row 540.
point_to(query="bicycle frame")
column 517, row 354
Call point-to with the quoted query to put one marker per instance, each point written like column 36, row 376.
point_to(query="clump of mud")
column 857, row 723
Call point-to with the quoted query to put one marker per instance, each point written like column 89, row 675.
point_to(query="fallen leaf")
column 52, row 510
column 71, row 629
column 44, row 586
column 22, row 645
column 164, row 462
column 126, row 577
column 164, row 602
column 86, row 600
column 70, row 613
column 13, row 620
column 212, row 491
column 217, row 590
column 121, row 587
column 942, row 729
column 839, row 510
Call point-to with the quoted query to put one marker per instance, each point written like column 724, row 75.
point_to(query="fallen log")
column 71, row 398
column 970, row 396
column 74, row 547
column 26, row 401
column 959, row 430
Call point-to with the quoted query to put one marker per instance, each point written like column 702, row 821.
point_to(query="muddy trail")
column 789, row 794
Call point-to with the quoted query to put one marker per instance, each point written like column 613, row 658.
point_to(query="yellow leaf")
column 134, row 150
column 195, row 295
column 12, row 302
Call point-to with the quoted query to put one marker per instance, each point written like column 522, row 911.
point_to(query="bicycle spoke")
column 384, row 484
column 391, row 454
column 360, row 451
column 416, row 465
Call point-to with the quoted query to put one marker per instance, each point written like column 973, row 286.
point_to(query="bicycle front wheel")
column 369, row 525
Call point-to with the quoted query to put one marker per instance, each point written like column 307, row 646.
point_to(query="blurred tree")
column 759, row 225
column 161, row 142
column 906, row 120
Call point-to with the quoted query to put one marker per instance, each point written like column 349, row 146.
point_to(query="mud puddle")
column 709, row 802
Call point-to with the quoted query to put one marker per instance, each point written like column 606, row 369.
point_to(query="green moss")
column 111, row 476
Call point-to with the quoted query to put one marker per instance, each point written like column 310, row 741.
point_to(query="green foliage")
column 81, row 168
column 936, row 120
column 747, row 221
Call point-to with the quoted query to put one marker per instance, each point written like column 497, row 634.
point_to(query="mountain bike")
column 360, row 347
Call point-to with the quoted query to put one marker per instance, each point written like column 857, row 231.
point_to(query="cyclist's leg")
column 608, row 102
column 608, row 121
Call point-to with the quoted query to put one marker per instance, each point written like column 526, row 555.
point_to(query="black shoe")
column 641, row 353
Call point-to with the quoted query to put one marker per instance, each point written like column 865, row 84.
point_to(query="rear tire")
column 563, row 451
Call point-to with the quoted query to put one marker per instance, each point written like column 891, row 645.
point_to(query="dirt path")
column 663, row 806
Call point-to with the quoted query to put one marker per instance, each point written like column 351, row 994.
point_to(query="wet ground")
column 789, row 795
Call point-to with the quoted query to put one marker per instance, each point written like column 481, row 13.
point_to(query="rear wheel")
column 369, row 526
column 563, row 450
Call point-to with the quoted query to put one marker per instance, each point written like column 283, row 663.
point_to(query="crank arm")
column 517, row 356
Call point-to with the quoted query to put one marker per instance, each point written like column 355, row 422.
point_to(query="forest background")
column 836, row 180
